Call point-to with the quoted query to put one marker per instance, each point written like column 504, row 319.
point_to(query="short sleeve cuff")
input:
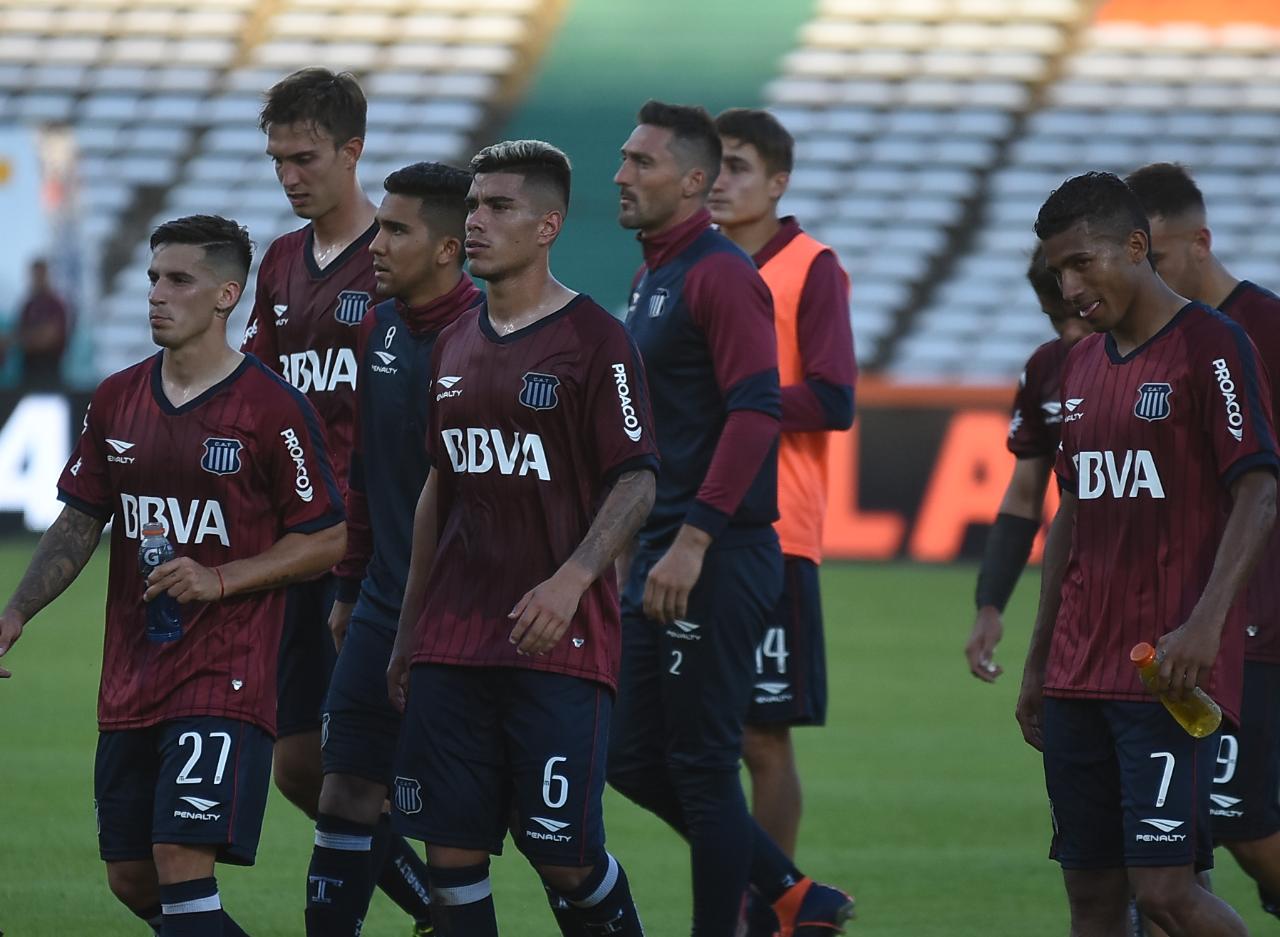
column 1259, row 461
column 706, row 518
column 101, row 512
column 639, row 463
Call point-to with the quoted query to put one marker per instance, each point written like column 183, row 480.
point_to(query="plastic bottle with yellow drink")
column 1196, row 712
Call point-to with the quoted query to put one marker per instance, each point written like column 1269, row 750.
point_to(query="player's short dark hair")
column 1166, row 189
column 226, row 244
column 538, row 162
column 332, row 102
column 694, row 137
column 1043, row 281
column 1101, row 199
column 763, row 131
column 441, row 189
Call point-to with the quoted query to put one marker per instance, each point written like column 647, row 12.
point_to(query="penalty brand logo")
column 630, row 422
column 1166, row 834
column 683, row 630
column 553, row 829
column 1227, row 387
column 201, row 810
column 386, row 357
column 1073, row 409
column 280, row 310
column 1224, row 806
column 302, row 481
column 120, row 447
column 447, row 383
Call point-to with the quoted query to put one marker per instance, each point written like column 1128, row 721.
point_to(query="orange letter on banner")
column 848, row 533
column 967, row 486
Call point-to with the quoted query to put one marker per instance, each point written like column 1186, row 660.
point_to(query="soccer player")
column 1034, row 430
column 314, row 286
column 417, row 260
column 817, row 371
column 543, row 462
column 707, row 574
column 1167, row 467
column 230, row 462
column 1246, row 815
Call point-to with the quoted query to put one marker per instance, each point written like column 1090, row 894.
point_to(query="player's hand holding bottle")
column 1187, row 654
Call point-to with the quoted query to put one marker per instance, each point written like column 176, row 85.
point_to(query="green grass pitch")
column 920, row 794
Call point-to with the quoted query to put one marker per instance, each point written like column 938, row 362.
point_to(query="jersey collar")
column 359, row 245
column 664, row 247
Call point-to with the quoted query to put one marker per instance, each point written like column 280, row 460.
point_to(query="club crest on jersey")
column 221, row 456
column 1153, row 402
column 539, row 391
column 408, row 795
column 656, row 303
column 351, row 307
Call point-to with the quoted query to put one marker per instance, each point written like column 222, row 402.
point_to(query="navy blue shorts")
column 685, row 687
column 791, row 660
column 1247, row 780
column 483, row 747
column 199, row 780
column 360, row 727
column 1127, row 786
column 307, row 656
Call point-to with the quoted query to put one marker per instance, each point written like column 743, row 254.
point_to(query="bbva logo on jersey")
column 476, row 451
column 192, row 521
column 1120, row 475
column 306, row 370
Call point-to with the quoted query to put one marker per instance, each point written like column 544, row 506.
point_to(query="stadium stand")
column 163, row 98
column 1130, row 93
column 898, row 109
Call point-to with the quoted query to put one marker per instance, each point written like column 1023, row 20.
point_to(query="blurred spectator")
column 43, row 326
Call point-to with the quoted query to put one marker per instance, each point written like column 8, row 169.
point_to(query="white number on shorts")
column 1228, row 752
column 1168, row 776
column 549, row 777
column 677, row 657
column 774, row 646
column 197, row 748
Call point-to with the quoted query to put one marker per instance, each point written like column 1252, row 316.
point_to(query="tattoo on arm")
column 622, row 514
column 62, row 552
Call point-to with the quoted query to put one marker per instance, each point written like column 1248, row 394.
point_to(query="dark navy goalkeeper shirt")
column 389, row 459
column 703, row 320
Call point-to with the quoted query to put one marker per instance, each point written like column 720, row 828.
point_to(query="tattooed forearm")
column 621, row 515
column 62, row 552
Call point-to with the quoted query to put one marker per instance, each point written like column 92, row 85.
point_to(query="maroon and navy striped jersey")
column 1151, row 444
column 1035, row 425
column 1258, row 312
column 227, row 475
column 528, row 432
column 306, row 325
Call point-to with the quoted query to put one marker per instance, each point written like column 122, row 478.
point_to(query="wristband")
column 1008, row 546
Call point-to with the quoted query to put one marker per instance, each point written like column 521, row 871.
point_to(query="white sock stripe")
column 602, row 891
column 462, row 894
column 194, row 906
column 347, row 842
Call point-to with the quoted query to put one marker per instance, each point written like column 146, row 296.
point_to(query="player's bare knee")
column 183, row 862
column 766, row 747
column 1098, row 895
column 351, row 798
column 451, row 857
column 133, row 883
column 297, row 773
column 561, row 878
column 1164, row 894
